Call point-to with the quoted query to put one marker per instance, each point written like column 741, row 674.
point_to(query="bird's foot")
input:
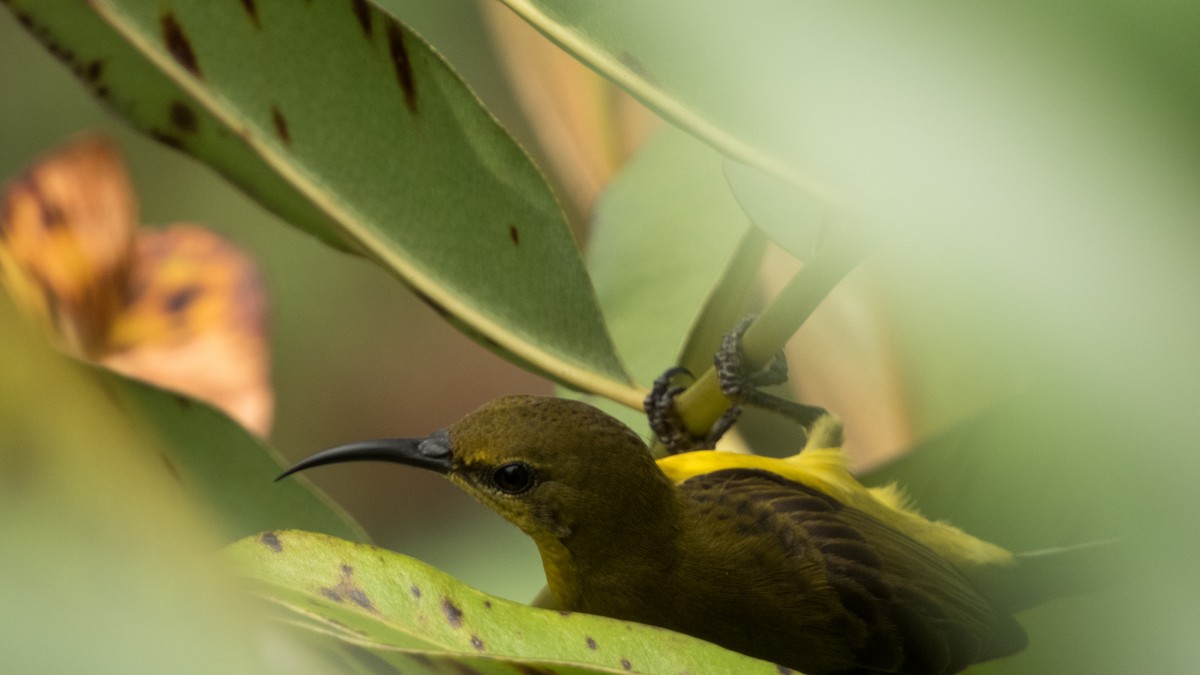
column 742, row 387
column 669, row 427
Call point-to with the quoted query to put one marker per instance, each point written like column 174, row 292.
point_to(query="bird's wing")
column 915, row 611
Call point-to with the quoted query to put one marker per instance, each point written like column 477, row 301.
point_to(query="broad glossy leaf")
column 384, row 601
column 340, row 119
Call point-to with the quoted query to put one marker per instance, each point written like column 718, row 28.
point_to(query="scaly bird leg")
column 742, row 387
column 666, row 424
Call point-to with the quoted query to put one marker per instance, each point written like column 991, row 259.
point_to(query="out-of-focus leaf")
column 1036, row 473
column 107, row 567
column 586, row 128
column 795, row 221
column 224, row 465
column 384, row 601
column 665, row 230
column 181, row 308
column 343, row 121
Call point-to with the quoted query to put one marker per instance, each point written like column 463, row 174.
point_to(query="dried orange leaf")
column 66, row 233
column 195, row 322
column 181, row 308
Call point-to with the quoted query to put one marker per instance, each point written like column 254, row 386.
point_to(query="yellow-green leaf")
column 384, row 601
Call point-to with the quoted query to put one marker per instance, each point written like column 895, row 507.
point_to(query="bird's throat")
column 588, row 573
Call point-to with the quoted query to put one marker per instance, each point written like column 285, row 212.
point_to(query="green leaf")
column 352, row 657
column 344, row 122
column 794, row 221
column 665, row 231
column 107, row 566
column 719, row 71
column 384, row 601
column 1013, row 120
column 223, row 465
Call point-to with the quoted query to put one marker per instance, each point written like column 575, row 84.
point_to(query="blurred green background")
column 1089, row 330
column 355, row 354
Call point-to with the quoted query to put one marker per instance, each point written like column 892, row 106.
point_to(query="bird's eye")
column 513, row 478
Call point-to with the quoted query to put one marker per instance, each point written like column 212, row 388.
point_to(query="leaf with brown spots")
column 307, row 580
column 338, row 143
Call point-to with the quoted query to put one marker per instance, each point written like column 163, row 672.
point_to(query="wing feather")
column 917, row 612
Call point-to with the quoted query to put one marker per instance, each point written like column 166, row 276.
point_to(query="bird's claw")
column 742, row 387
column 665, row 422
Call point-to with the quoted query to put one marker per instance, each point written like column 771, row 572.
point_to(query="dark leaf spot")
column 181, row 299
column 487, row 604
column 183, row 117
column 271, row 541
column 183, row 401
column 591, row 643
column 93, row 71
column 514, row 235
column 281, row 126
column 178, row 45
column 416, row 592
column 360, row 598
column 784, row 670
column 453, row 613
column 563, row 612
column 346, row 588
column 401, row 64
column 362, row 12
column 476, row 642
column 53, row 217
column 626, row 664
column 166, row 138
column 252, row 9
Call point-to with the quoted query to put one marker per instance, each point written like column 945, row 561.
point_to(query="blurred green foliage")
column 1036, row 216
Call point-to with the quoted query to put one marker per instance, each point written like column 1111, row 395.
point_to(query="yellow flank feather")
column 822, row 466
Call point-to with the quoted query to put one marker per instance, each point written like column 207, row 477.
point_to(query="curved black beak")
column 431, row 452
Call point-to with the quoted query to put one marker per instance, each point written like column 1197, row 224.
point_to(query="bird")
column 791, row 560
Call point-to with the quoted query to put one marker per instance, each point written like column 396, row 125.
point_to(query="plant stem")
column 703, row 403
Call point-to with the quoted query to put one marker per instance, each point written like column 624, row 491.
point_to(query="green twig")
column 703, row 403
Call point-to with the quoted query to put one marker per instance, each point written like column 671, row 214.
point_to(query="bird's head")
column 548, row 465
